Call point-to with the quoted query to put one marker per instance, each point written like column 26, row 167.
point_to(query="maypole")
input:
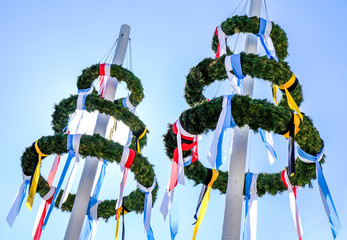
column 236, row 176
column 84, row 190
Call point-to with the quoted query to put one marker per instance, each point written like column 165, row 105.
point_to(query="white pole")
column 80, row 206
column 236, row 178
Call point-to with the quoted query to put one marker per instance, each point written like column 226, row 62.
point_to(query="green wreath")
column 203, row 115
column 97, row 146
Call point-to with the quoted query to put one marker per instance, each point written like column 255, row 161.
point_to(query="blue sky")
column 44, row 46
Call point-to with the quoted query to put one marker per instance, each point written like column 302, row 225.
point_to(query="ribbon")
column 202, row 192
column 126, row 103
column 292, row 201
column 222, row 47
column 35, row 179
column 267, row 139
column 287, row 88
column 233, row 62
column 120, row 211
column 216, row 156
column 105, row 74
column 53, row 170
column 204, row 202
column 250, row 229
column 76, row 145
column 125, row 163
column 327, row 200
column 148, row 208
column 70, row 147
column 265, row 39
column 138, row 137
column 18, row 200
column 41, row 213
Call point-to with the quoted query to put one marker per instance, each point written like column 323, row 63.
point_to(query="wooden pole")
column 80, row 206
column 236, row 178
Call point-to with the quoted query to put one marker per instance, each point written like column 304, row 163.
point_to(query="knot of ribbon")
column 265, row 39
column 219, row 153
column 292, row 202
column 250, row 229
column 138, row 137
column 327, row 199
column 205, row 200
column 233, row 62
column 18, row 200
column 148, row 208
column 35, row 177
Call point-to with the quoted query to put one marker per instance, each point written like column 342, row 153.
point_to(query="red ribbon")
column 102, row 78
column 218, row 49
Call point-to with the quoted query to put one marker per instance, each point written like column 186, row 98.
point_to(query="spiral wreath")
column 97, row 146
column 203, row 114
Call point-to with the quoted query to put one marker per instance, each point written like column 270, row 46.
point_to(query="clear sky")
column 44, row 45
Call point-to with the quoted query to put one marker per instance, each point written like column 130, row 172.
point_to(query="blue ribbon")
column 26, row 184
column 223, row 146
column 248, row 183
column 260, row 34
column 267, row 144
column 100, row 180
column 61, row 180
column 327, row 200
column 150, row 235
column 173, row 217
column 235, row 61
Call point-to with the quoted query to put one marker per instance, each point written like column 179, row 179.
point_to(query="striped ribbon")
column 250, row 228
column 35, row 177
column 222, row 47
column 327, row 200
column 267, row 139
column 53, row 170
column 148, row 208
column 41, row 213
column 105, row 74
column 217, row 154
column 233, row 62
column 18, row 200
column 204, row 202
column 293, row 205
column 265, row 39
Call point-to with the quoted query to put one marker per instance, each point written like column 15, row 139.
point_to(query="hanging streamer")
column 269, row 144
column 265, row 39
column 250, row 229
column 292, row 201
column 53, row 170
column 35, row 177
column 204, row 202
column 70, row 147
column 233, row 62
column 138, row 137
column 327, row 200
column 18, row 200
column 222, row 47
column 286, row 88
column 216, row 156
column 76, row 145
column 41, row 213
column 203, row 192
column 148, row 208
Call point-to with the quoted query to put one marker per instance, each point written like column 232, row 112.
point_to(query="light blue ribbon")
column 327, row 200
column 235, row 61
column 267, row 144
column 225, row 137
column 61, row 180
column 173, row 217
column 249, row 177
column 88, row 224
column 262, row 30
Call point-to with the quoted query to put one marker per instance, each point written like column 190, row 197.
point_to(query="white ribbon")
column 222, row 43
column 17, row 202
column 53, row 170
column 212, row 154
column 124, row 173
column 148, row 206
column 264, row 34
column 232, row 78
column 76, row 145
column 251, row 217
column 293, row 206
column 42, row 206
column 167, row 202
column 94, row 215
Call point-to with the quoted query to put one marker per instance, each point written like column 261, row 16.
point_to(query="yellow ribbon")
column 35, row 178
column 290, row 100
column 119, row 211
column 274, row 93
column 138, row 140
column 296, row 124
column 204, row 202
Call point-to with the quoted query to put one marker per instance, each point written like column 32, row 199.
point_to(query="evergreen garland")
column 97, row 146
column 203, row 114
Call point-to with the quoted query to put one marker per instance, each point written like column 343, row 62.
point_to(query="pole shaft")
column 80, row 206
column 236, row 177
